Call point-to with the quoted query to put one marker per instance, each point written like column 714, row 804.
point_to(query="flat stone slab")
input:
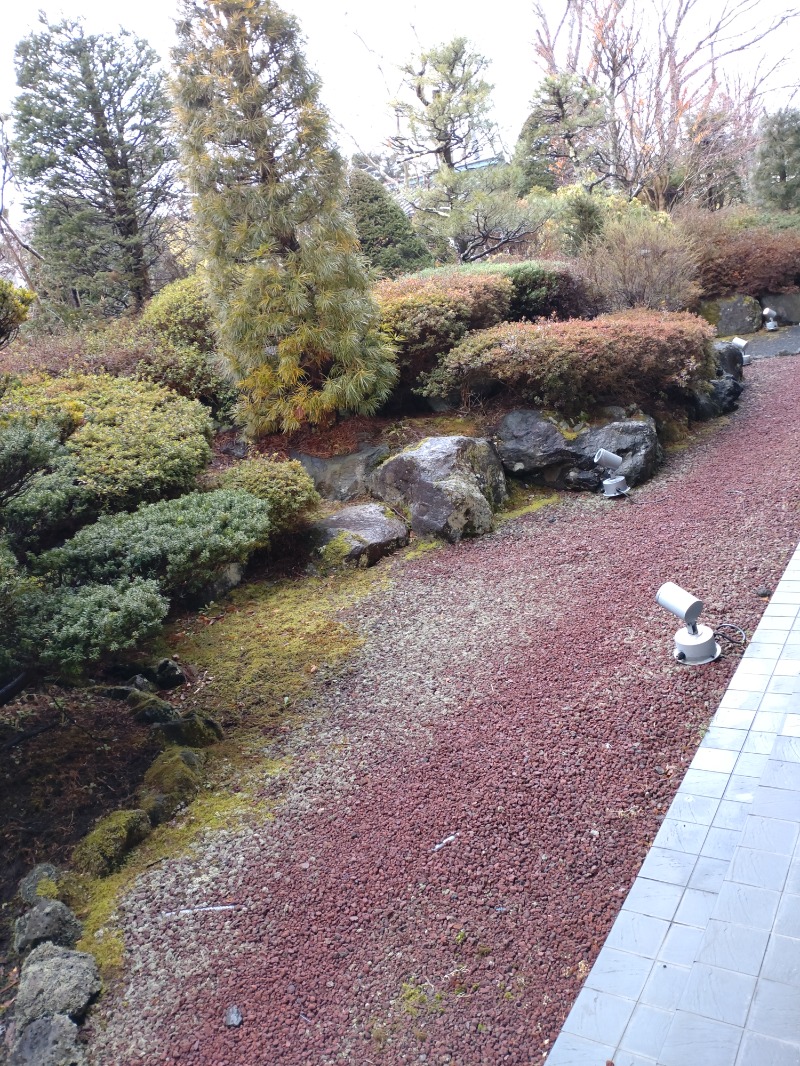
column 767, row 345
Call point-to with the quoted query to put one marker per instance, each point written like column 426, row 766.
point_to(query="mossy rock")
column 103, row 850
column 172, row 781
column 193, row 730
column 150, row 709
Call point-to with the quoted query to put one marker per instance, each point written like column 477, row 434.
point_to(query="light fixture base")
column 615, row 486
column 695, row 649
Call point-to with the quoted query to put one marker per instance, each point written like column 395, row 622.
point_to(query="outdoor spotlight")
column 770, row 317
column 694, row 644
column 615, row 484
column 741, row 344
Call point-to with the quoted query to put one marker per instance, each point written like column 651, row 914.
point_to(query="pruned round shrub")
column 180, row 314
column 427, row 315
column 554, row 290
column 129, row 441
column 181, row 544
column 283, row 484
column 633, row 357
column 191, row 372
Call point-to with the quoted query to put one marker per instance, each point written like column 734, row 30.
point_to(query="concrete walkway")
column 702, row 966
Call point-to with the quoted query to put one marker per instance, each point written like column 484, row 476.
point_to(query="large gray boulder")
column 531, row 446
column 359, row 535
column 49, row 920
column 733, row 314
column 50, row 1041
column 450, row 485
column 343, row 477
column 785, row 304
column 55, row 980
column 729, row 359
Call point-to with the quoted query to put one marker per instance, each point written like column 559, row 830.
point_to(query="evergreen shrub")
column 283, row 484
column 181, row 544
column 632, row 357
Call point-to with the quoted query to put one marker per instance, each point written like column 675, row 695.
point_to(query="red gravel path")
column 515, row 696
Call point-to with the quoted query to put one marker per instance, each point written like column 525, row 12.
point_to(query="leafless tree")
column 665, row 78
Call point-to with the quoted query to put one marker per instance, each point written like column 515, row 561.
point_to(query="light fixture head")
column 741, row 344
column 694, row 644
column 615, row 484
column 771, row 318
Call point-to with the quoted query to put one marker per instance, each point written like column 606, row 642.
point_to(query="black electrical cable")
column 730, row 640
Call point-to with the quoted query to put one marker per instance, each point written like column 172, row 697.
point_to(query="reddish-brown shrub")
column 631, row 357
column 428, row 315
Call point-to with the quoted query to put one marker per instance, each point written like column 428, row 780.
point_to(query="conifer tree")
column 385, row 234
column 777, row 174
column 289, row 288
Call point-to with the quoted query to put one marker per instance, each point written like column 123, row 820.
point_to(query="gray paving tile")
column 732, row 814
column 674, row 867
column 791, row 725
column 759, row 741
column 782, row 685
column 757, row 1050
column 630, row 1058
column 787, row 920
column 704, row 783
column 762, row 868
column 770, row 834
column 709, row 874
column 656, row 898
column 751, row 765
column 638, row 933
column 747, row 682
column 697, row 809
column 780, row 610
column 782, row 774
column 777, row 803
column 768, row 636
column 757, row 650
column 720, row 760
column 777, row 624
column 571, row 1050
column 746, row 905
column 775, row 1011
column 693, row 1040
column 737, row 710
column 721, row 843
column 782, row 960
column 787, row 749
column 770, row 714
column 599, row 1016
column 733, row 947
column 647, row 1030
column 619, row 973
column 719, row 994
column 681, row 836
column 665, row 985
column 696, row 907
column 740, row 788
column 681, row 944
column 729, row 739
column 751, row 666
column 787, row 666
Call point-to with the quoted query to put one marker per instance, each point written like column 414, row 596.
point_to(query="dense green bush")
column 180, row 315
column 636, row 357
column 551, row 290
column 25, row 449
column 14, row 304
column 128, row 441
column 384, row 233
column 284, row 484
column 192, row 373
column 181, row 544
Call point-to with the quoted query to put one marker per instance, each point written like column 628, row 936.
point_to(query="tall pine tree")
column 290, row 290
column 93, row 145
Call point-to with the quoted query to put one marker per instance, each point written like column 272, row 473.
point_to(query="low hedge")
column 430, row 312
column 282, row 483
column 751, row 262
column 180, row 544
column 630, row 357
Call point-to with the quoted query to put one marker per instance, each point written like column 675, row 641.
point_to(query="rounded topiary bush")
column 124, row 442
column 283, row 484
column 180, row 314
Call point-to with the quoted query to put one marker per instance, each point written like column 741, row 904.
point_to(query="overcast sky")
column 356, row 47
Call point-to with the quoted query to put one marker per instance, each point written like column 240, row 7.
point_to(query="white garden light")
column 694, row 644
column 770, row 318
column 741, row 344
column 615, row 484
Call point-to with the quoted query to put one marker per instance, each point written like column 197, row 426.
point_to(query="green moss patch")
column 104, row 849
column 524, row 499
column 172, row 782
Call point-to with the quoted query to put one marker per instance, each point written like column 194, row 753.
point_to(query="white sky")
column 356, row 47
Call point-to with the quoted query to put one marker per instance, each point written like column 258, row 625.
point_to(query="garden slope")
column 515, row 702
